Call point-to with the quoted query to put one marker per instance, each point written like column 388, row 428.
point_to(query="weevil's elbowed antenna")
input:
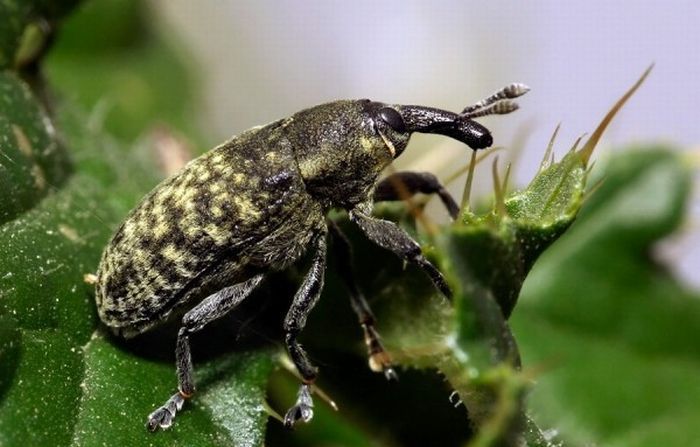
column 461, row 126
column 497, row 104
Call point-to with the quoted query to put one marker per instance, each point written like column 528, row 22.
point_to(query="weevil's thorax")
column 341, row 148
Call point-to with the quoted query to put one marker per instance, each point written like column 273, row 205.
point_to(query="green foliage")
column 23, row 25
column 126, row 74
column 33, row 158
column 612, row 332
column 605, row 331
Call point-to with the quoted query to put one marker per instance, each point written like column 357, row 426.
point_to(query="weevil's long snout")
column 461, row 126
column 430, row 120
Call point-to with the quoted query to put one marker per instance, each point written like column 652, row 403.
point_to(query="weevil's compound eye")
column 393, row 119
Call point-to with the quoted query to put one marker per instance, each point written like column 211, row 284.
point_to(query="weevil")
column 202, row 240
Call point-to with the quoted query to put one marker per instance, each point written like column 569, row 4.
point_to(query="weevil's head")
column 341, row 147
column 386, row 127
column 395, row 123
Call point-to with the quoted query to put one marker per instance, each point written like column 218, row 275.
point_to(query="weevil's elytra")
column 191, row 234
column 205, row 238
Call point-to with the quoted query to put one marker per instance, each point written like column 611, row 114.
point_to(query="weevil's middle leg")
column 211, row 308
column 306, row 297
column 379, row 359
column 411, row 183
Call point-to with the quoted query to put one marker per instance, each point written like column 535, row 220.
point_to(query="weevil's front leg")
column 388, row 235
column 411, row 183
column 211, row 308
column 379, row 359
column 304, row 300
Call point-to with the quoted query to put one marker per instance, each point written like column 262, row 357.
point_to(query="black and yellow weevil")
column 206, row 237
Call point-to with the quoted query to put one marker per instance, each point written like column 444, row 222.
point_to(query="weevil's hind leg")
column 401, row 185
column 390, row 236
column 379, row 359
column 211, row 308
column 304, row 300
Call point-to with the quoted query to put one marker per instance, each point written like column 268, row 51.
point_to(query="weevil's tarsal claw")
column 303, row 409
column 391, row 375
column 381, row 362
column 379, row 359
column 163, row 416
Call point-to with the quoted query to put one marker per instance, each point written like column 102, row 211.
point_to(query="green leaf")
column 489, row 258
column 43, row 255
column 18, row 27
column 329, row 426
column 31, row 157
column 614, row 330
column 15, row 15
column 120, row 387
column 9, row 352
column 126, row 74
column 40, row 406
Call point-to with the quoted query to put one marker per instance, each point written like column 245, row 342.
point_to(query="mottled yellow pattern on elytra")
column 186, row 194
column 203, row 174
column 191, row 232
column 238, row 178
column 223, row 199
column 186, row 198
column 172, row 253
column 189, row 205
column 246, row 208
column 178, row 257
column 220, row 200
column 141, row 262
column 190, row 176
column 129, row 228
column 142, row 226
column 162, row 228
column 181, row 270
column 219, row 235
column 216, row 211
column 158, row 209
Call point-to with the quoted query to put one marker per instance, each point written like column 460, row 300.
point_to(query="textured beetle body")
column 249, row 205
column 205, row 238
